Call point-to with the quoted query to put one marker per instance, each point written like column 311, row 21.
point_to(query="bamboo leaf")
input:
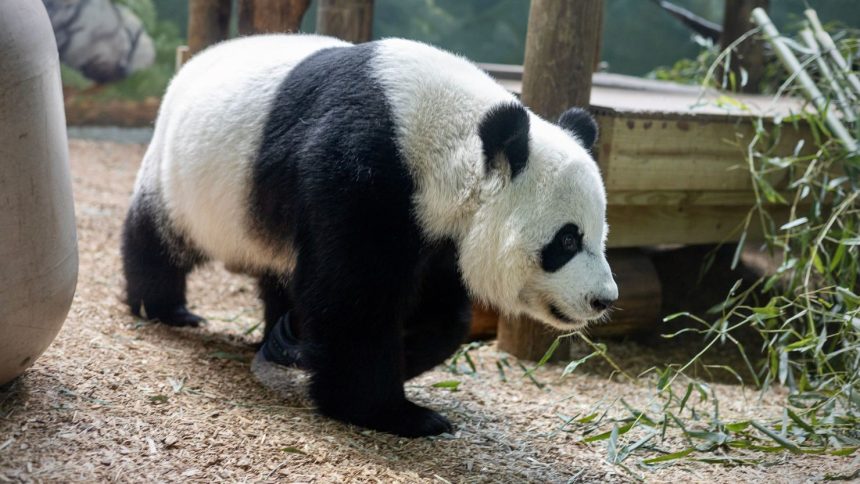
column 669, row 457
column 782, row 441
column 605, row 435
column 794, row 223
column 447, row 384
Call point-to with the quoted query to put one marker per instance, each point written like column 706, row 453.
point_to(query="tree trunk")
column 562, row 45
column 749, row 54
column 271, row 16
column 350, row 20
column 208, row 23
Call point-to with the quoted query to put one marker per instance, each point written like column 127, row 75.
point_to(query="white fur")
column 209, row 128
column 207, row 134
column 438, row 100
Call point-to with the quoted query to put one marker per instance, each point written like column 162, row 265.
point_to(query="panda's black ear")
column 582, row 124
column 505, row 129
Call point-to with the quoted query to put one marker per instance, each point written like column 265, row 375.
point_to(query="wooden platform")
column 672, row 156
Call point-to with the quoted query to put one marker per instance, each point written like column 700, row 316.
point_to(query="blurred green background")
column 638, row 36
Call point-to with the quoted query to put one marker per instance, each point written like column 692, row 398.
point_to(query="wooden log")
column 561, row 49
column 271, row 16
column 561, row 46
column 208, row 23
column 350, row 20
column 640, row 295
column 749, row 54
column 528, row 339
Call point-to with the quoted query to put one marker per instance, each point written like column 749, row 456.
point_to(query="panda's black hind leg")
column 155, row 271
column 277, row 301
column 280, row 343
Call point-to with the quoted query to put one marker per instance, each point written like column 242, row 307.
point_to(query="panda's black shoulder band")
column 505, row 129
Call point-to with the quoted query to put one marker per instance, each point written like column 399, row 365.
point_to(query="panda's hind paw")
column 178, row 316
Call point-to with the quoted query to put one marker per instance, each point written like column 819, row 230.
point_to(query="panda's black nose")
column 601, row 304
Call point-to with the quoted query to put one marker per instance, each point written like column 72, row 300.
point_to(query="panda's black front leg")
column 355, row 352
column 439, row 323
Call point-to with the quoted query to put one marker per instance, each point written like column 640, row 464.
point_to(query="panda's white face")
column 536, row 244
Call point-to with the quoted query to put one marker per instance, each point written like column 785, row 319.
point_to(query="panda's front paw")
column 411, row 420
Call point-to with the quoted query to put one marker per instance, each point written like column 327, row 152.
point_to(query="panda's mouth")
column 557, row 314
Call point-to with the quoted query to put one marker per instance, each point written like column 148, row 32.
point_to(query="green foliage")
column 798, row 328
column 689, row 71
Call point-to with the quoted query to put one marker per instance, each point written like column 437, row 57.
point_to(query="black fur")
column 582, row 124
column 440, row 318
column 274, row 291
column 370, row 302
column 330, row 181
column 156, row 262
column 505, row 130
column 566, row 243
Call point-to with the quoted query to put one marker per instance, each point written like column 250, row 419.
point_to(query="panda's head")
column 536, row 242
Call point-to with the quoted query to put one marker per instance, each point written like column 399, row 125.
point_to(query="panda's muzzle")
column 557, row 314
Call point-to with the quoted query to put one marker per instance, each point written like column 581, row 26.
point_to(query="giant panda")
column 374, row 190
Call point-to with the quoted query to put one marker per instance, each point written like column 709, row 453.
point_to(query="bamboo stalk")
column 830, row 47
column 809, row 38
column 793, row 65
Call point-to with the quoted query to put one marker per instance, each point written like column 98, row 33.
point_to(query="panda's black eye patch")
column 566, row 243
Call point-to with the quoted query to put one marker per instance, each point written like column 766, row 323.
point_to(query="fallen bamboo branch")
column 830, row 48
column 809, row 38
column 793, row 65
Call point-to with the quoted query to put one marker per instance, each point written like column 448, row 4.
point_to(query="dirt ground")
column 118, row 399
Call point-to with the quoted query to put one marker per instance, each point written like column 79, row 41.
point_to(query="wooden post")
column 350, row 20
column 208, row 23
column 561, row 46
column 749, row 54
column 271, row 16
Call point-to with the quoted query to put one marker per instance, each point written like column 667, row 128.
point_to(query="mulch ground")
column 118, row 399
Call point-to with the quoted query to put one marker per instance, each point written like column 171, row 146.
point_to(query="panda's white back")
column 209, row 129
column 207, row 135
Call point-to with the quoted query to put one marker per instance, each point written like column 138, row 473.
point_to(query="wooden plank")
column 641, row 153
column 744, row 198
column 634, row 226
column 627, row 95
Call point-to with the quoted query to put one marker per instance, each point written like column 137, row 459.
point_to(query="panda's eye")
column 566, row 243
